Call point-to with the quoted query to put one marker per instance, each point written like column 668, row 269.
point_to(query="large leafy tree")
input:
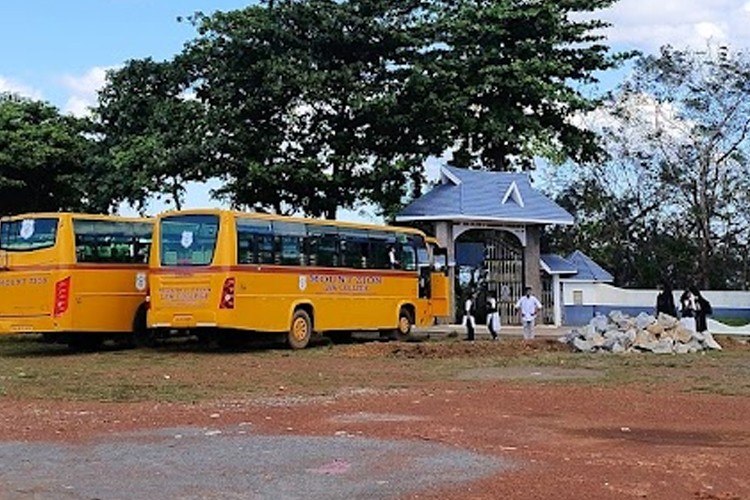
column 314, row 105
column 620, row 229
column 44, row 157
column 678, row 134
column 152, row 137
column 511, row 73
column 313, row 102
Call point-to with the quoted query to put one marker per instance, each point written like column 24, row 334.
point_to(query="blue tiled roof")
column 588, row 270
column 485, row 196
column 555, row 264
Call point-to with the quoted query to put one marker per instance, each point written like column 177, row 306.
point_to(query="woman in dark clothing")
column 665, row 301
column 702, row 309
column 688, row 308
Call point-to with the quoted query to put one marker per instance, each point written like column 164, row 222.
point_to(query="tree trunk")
column 176, row 194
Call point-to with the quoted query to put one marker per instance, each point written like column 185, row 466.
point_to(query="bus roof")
column 305, row 220
column 77, row 215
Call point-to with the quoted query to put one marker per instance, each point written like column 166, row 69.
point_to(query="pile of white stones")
column 621, row 333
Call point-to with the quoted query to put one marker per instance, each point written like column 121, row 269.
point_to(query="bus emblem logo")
column 187, row 239
column 27, row 229
column 140, row 282
column 302, row 283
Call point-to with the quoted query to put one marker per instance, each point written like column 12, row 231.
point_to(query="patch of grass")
column 186, row 372
column 733, row 321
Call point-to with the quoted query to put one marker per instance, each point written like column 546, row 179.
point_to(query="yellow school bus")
column 75, row 278
column 229, row 273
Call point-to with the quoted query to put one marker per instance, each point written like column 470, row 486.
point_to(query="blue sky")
column 50, row 46
column 59, row 50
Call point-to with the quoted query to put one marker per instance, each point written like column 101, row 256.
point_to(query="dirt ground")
column 567, row 436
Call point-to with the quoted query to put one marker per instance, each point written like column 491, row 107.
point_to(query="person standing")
column 665, row 301
column 392, row 259
column 702, row 310
column 493, row 318
column 468, row 320
column 688, row 308
column 528, row 306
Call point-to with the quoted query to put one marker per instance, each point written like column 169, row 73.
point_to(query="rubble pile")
column 620, row 333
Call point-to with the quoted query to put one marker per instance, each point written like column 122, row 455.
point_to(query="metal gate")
column 547, row 300
column 504, row 273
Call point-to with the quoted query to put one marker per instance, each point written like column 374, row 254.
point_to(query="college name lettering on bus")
column 184, row 295
column 345, row 283
column 31, row 280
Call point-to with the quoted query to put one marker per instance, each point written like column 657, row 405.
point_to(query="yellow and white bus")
column 76, row 278
column 226, row 272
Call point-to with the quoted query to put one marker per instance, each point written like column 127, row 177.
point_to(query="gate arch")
column 499, row 273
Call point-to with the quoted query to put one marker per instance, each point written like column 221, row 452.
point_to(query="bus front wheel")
column 300, row 331
column 405, row 322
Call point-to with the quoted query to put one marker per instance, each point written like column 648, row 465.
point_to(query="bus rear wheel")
column 405, row 322
column 300, row 330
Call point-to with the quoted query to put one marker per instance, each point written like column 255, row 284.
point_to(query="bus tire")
column 300, row 331
column 405, row 322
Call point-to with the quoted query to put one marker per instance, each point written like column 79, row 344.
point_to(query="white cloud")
column 710, row 31
column 77, row 106
column 649, row 25
column 15, row 87
column 83, row 90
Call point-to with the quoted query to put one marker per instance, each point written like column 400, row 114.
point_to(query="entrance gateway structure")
column 491, row 223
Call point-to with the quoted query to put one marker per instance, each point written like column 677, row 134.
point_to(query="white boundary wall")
column 604, row 294
column 582, row 300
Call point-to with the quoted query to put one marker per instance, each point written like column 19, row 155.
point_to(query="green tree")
column 314, row 102
column 44, row 157
column 315, row 105
column 510, row 72
column 151, row 139
column 620, row 229
column 677, row 133
column 694, row 139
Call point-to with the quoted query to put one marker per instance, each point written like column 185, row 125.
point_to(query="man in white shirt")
column 528, row 306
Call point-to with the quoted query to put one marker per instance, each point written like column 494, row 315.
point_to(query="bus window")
column 121, row 242
column 408, row 255
column 380, row 242
column 188, row 240
column 254, row 241
column 28, row 234
column 323, row 245
column 355, row 248
column 423, row 257
column 291, row 238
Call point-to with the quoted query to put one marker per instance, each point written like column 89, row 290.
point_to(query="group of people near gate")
column 527, row 306
column 693, row 310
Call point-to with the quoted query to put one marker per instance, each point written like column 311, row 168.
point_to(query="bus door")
column 31, row 297
column 423, row 265
column 439, row 303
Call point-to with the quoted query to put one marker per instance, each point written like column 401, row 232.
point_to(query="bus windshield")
column 28, row 234
column 188, row 240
